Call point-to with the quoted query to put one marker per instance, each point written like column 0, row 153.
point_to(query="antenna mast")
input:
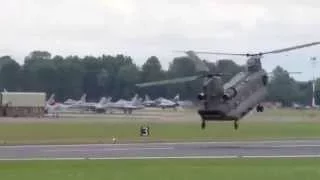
column 314, row 63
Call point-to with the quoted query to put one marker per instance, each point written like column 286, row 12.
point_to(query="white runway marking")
column 107, row 149
column 150, row 158
column 277, row 146
column 180, row 150
column 263, row 142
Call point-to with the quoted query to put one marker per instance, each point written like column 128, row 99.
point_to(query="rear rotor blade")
column 291, row 48
column 169, row 81
column 219, row 53
column 259, row 54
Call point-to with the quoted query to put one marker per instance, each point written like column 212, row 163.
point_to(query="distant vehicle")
column 307, row 107
column 297, row 106
column 186, row 103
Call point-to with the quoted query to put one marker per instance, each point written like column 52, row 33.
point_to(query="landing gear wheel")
column 236, row 125
column 203, row 124
column 259, row 108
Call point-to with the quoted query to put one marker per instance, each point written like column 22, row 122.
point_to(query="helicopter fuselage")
column 233, row 100
column 240, row 95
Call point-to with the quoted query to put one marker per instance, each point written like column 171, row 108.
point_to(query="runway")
column 245, row 149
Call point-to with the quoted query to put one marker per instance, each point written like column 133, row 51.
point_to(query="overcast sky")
column 141, row 28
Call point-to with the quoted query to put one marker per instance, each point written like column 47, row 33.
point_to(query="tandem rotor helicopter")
column 233, row 100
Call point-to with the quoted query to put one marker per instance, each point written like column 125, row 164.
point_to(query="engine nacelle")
column 201, row 96
column 229, row 93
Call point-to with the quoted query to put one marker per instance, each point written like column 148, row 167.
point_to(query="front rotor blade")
column 169, row 81
column 291, row 48
column 199, row 64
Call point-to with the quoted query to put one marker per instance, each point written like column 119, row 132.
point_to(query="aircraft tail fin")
column 147, row 98
column 135, row 97
column 83, row 98
column 135, row 100
column 51, row 99
column 103, row 100
column 108, row 99
column 177, row 98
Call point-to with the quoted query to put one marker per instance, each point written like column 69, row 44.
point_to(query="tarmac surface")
column 245, row 149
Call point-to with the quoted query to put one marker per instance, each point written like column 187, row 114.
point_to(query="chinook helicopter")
column 236, row 98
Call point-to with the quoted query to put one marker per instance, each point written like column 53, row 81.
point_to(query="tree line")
column 116, row 76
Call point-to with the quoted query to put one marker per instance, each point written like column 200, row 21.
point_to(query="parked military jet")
column 82, row 105
column 166, row 103
column 53, row 107
column 148, row 102
column 126, row 106
column 80, row 101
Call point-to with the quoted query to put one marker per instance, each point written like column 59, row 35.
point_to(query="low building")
column 22, row 104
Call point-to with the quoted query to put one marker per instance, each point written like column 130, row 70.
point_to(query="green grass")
column 286, row 115
column 227, row 169
column 98, row 132
column 272, row 124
